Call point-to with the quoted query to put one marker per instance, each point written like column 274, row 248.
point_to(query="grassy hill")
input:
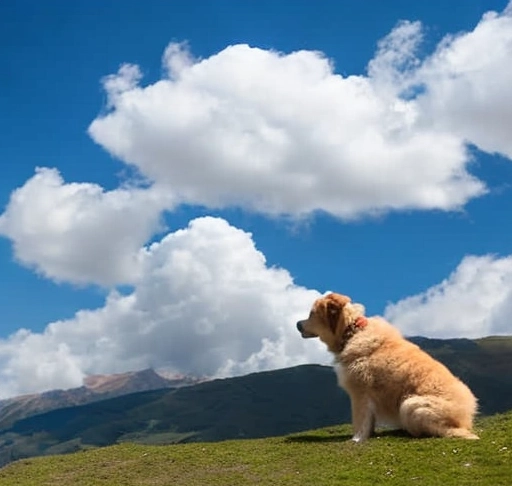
column 317, row 458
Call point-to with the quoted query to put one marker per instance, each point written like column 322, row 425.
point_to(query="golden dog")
column 390, row 380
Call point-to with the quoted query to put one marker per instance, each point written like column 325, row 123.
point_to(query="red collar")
column 358, row 325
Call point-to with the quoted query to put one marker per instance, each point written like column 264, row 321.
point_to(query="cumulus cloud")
column 474, row 301
column 284, row 134
column 468, row 82
column 206, row 303
column 36, row 362
column 394, row 66
column 79, row 233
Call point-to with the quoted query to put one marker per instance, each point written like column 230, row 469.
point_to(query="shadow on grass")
column 344, row 437
column 318, row 438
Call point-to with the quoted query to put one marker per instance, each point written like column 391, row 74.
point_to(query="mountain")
column 95, row 388
column 256, row 405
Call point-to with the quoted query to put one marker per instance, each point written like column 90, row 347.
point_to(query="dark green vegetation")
column 317, row 458
column 258, row 405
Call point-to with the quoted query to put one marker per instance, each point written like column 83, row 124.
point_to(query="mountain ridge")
column 95, row 388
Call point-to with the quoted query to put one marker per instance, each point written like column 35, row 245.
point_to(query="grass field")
column 319, row 457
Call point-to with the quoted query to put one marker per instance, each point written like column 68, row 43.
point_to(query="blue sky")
column 206, row 169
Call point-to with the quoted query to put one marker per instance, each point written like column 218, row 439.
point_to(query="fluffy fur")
column 390, row 380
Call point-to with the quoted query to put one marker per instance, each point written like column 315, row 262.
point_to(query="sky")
column 181, row 180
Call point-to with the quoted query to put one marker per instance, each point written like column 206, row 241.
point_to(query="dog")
column 390, row 381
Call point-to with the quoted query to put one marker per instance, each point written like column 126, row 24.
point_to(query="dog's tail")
column 459, row 433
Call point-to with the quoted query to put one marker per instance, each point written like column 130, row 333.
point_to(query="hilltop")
column 316, row 458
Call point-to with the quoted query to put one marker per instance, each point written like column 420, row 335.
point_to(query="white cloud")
column 474, row 301
column 78, row 232
column 206, row 304
column 283, row 133
column 126, row 79
column 468, row 82
column 36, row 362
column 396, row 60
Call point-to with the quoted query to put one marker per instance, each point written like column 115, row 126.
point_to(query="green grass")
column 319, row 457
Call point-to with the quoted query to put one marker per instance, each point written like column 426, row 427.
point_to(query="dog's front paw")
column 358, row 438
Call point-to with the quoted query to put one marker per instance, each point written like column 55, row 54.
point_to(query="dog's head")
column 329, row 318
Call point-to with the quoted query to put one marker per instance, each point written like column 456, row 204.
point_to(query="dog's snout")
column 302, row 327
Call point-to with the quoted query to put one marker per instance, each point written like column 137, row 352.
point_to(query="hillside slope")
column 319, row 457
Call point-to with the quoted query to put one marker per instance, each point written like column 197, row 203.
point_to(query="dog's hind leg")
column 432, row 416
column 363, row 418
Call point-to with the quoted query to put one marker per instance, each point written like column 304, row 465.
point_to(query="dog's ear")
column 333, row 314
column 334, row 306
